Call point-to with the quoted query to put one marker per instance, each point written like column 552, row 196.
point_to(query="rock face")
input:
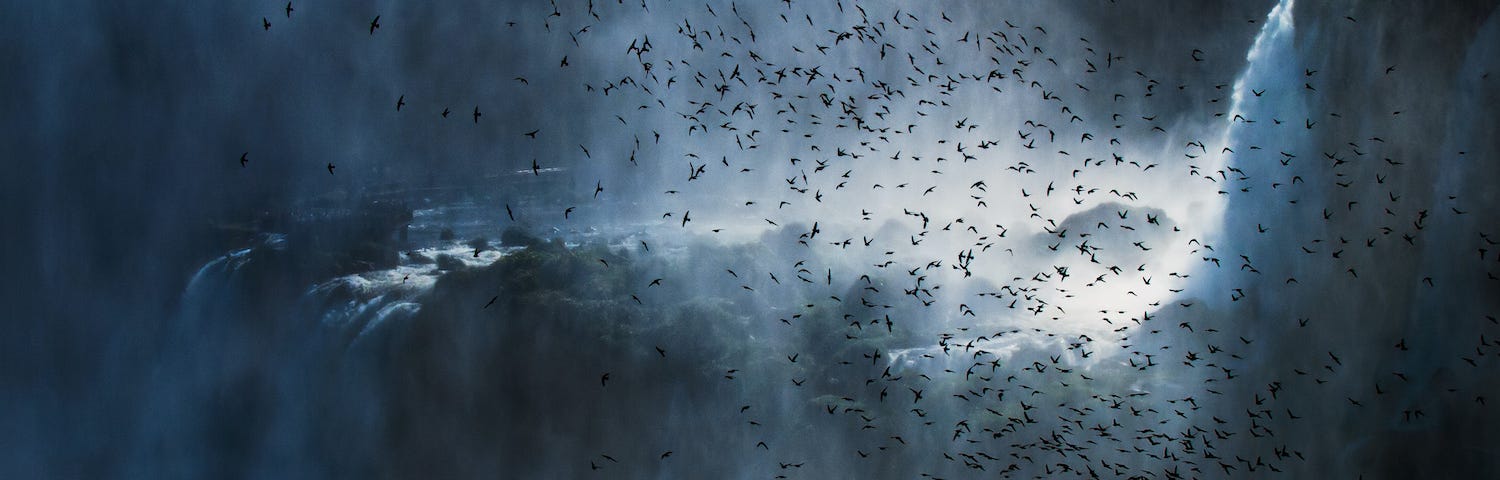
column 450, row 263
column 518, row 237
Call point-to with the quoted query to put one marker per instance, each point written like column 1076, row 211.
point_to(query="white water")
column 356, row 304
column 1267, row 64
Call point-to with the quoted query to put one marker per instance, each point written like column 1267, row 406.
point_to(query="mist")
column 810, row 239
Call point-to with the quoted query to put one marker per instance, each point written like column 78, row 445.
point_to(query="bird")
column 288, row 9
column 476, row 114
column 244, row 159
column 400, row 102
column 604, row 379
column 266, row 24
column 374, row 24
column 331, row 167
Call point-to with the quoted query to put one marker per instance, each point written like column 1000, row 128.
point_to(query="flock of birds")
column 821, row 120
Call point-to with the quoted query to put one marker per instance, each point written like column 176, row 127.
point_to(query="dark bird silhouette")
column 330, row 169
column 374, row 24
column 244, row 159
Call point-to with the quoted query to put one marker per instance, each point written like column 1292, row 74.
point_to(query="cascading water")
column 1269, row 64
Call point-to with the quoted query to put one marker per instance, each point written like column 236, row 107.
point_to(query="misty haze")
column 817, row 239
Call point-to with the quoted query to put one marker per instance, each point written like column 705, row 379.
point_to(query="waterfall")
column 1270, row 70
column 1270, row 46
